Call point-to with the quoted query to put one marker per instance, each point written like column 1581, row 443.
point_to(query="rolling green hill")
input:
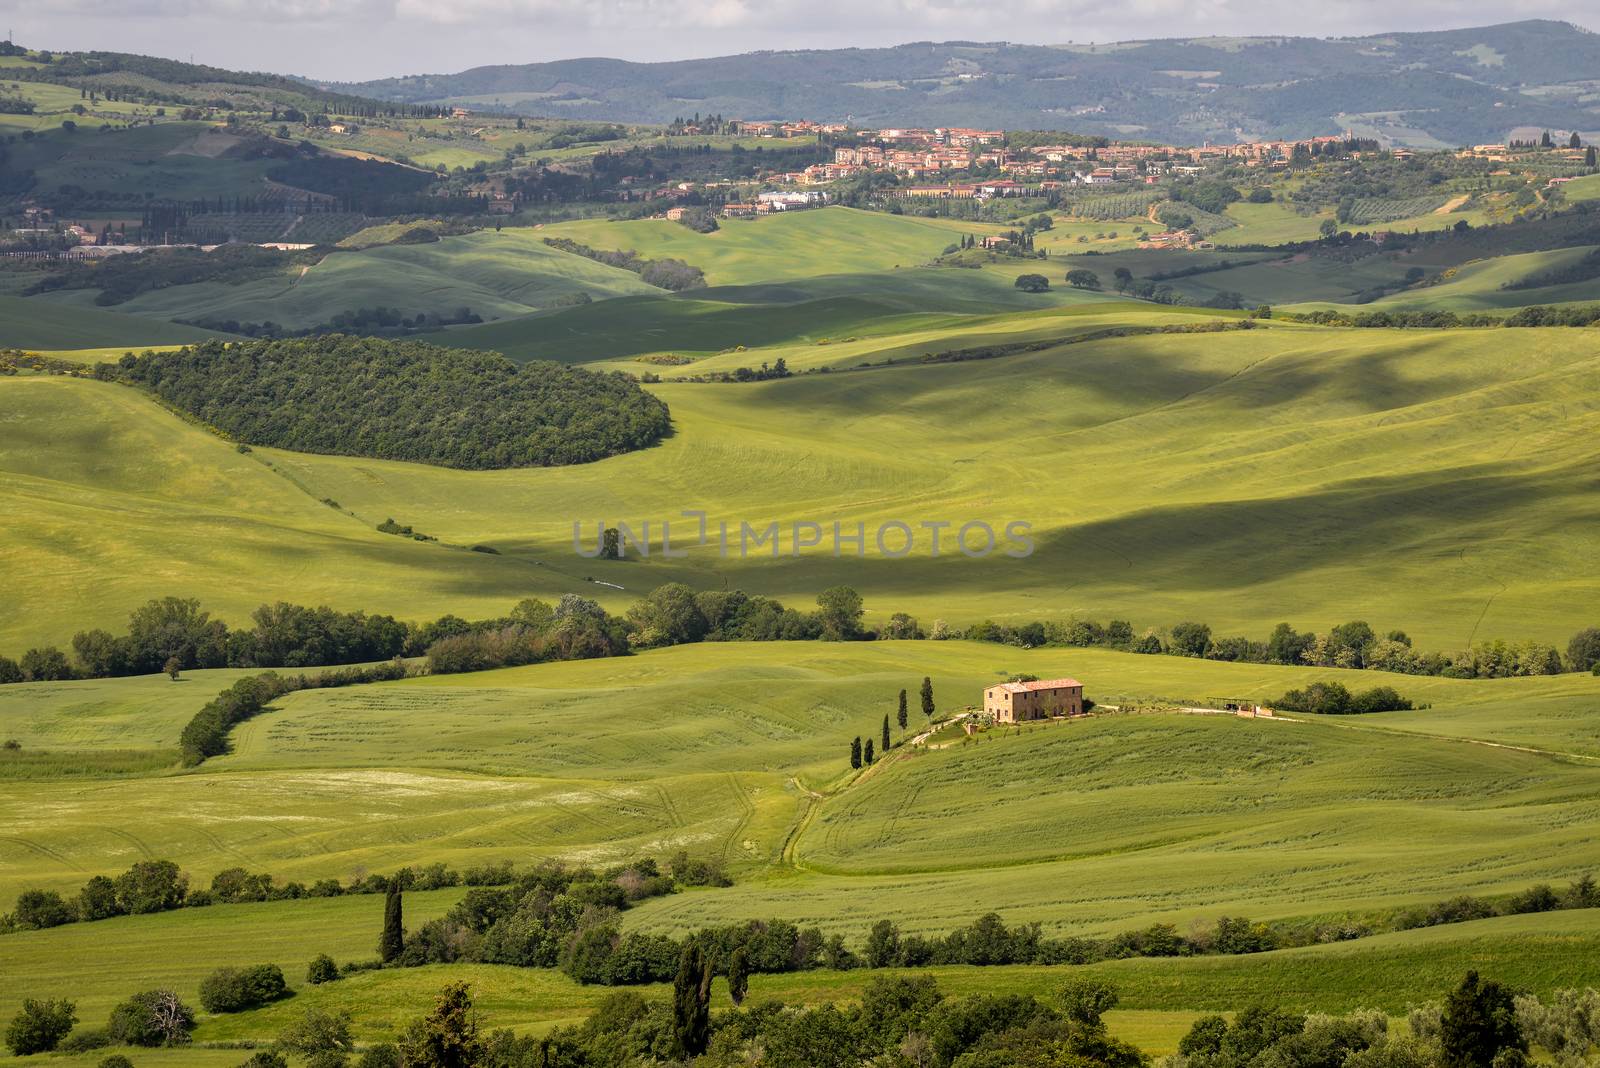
column 36, row 324
column 736, row 750
column 495, row 274
column 802, row 244
column 1417, row 479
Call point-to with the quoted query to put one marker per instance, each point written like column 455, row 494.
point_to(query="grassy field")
column 496, row 275
column 1439, row 482
column 169, row 160
column 1416, row 479
column 737, row 750
column 38, row 324
column 802, row 244
column 810, row 324
column 1478, row 286
column 1159, row 998
column 1116, row 821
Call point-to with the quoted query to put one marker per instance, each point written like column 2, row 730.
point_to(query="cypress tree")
column 393, row 938
column 927, row 697
column 855, row 753
column 867, row 756
column 885, row 734
column 738, row 975
column 900, row 716
column 691, row 1004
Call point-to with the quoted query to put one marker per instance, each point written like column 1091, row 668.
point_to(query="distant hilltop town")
column 1011, row 169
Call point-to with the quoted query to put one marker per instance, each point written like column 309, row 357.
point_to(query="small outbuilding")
column 1018, row 702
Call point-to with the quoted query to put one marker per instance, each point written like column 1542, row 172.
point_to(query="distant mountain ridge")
column 1430, row 89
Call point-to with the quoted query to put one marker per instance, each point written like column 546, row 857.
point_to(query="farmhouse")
column 1017, row 702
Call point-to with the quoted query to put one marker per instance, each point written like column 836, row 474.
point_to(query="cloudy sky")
column 361, row 39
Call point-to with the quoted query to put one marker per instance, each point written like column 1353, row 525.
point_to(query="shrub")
column 116, row 1060
column 150, row 886
column 38, row 909
column 1583, row 651
column 265, row 1058
column 384, row 1055
column 321, row 970
column 237, row 989
column 1332, row 699
column 85, row 1041
column 151, row 1018
column 39, row 1026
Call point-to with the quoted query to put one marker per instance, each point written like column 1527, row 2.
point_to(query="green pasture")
column 40, row 324
column 1238, row 478
column 790, row 245
column 813, row 323
column 1112, row 822
column 176, row 160
column 111, row 500
column 1160, row 998
column 1417, row 479
column 495, row 274
column 738, row 751
column 1479, row 286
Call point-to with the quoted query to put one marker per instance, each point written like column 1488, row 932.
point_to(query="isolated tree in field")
column 1190, row 639
column 39, row 909
column 322, row 969
column 738, row 975
column 1124, row 278
column 1479, row 1021
column 39, row 1026
column 611, row 544
column 1081, row 278
column 1583, row 651
column 172, row 667
column 927, row 697
column 855, row 753
column 866, row 755
column 1032, row 283
column 1574, row 141
column 839, row 612
column 900, row 716
column 691, row 1004
column 322, row 1038
column 393, row 939
column 445, row 1038
column 153, row 1018
column 151, row 886
column 1086, row 1000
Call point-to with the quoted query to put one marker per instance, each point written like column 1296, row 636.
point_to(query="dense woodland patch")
column 397, row 400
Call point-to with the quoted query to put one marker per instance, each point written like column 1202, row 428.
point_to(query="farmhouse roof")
column 1040, row 684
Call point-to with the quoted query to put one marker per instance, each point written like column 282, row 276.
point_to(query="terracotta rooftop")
column 1041, row 684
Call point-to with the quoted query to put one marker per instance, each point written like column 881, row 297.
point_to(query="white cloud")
column 357, row 39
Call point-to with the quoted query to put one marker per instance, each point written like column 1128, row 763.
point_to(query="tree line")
column 400, row 400
column 1532, row 315
column 670, row 274
column 903, row 1021
column 538, row 925
column 1355, row 644
column 160, row 886
column 175, row 634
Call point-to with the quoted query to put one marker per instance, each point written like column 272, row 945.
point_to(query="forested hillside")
column 1450, row 87
column 401, row 401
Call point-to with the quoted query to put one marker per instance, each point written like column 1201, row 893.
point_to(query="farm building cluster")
column 1019, row 702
